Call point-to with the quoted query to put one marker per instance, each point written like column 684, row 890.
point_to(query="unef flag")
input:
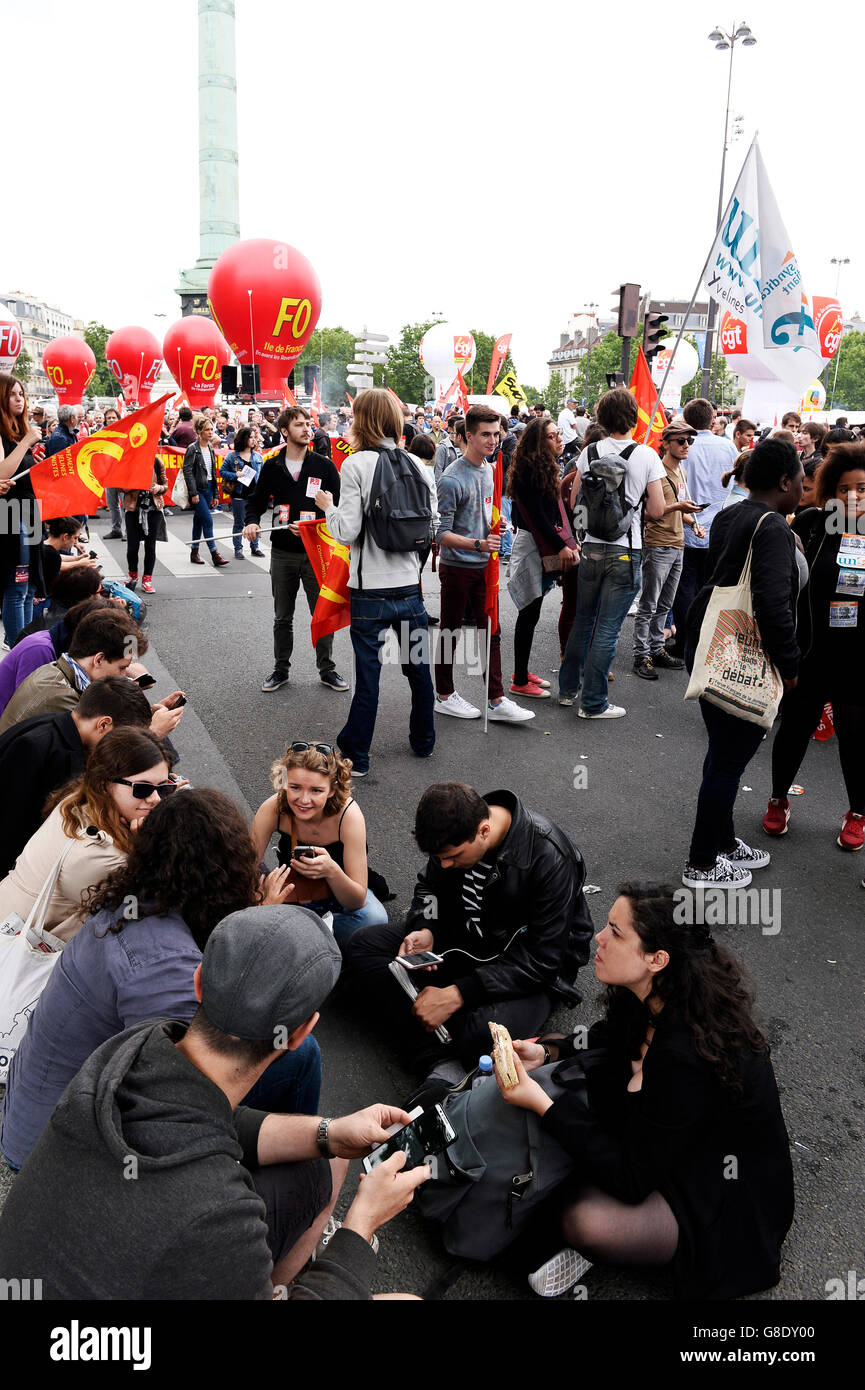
column 510, row 388
column 330, row 563
column 500, row 352
column 75, row 480
column 643, row 388
column 491, row 601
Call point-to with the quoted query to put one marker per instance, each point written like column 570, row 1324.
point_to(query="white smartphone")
column 428, row 1132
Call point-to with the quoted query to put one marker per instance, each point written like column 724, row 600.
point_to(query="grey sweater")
column 465, row 494
column 150, row 1197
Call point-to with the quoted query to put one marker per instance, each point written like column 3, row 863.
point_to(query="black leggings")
column 134, row 537
column 524, row 632
column 800, row 714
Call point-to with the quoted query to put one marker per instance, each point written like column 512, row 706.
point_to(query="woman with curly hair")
column 683, row 1158
column 830, row 630
column 21, row 575
column 322, row 837
column 191, row 865
column 543, row 533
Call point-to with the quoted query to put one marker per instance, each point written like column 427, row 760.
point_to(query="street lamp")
column 839, row 261
column 740, row 33
column 590, row 311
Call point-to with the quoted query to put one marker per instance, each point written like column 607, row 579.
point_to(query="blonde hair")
column 377, row 416
column 200, row 421
column 336, row 768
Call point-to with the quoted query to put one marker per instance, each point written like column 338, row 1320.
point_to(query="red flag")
column 643, row 388
column 500, row 352
column 75, row 480
column 463, row 395
column 330, row 563
column 315, row 404
column 491, row 601
column 349, row 398
column 288, row 396
column 395, row 396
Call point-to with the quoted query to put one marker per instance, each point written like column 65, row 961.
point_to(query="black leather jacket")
column 536, row 884
column 194, row 469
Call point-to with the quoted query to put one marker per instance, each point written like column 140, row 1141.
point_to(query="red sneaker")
column 147, row 584
column 777, row 816
column 535, row 680
column 852, row 831
column 530, row 690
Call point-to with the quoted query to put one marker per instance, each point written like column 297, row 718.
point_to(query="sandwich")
column 503, row 1056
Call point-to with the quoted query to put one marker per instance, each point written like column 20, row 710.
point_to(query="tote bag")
column 731, row 667
column 27, row 956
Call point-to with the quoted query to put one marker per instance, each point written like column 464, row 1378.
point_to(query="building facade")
column 40, row 323
column 583, row 331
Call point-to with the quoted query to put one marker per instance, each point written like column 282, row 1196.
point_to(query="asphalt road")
column 625, row 791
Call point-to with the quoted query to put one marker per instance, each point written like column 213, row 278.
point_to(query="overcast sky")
column 505, row 164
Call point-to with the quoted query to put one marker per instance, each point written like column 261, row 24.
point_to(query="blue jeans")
column 238, row 520
column 609, row 582
column 373, row 613
column 372, row 914
column 507, row 536
column 17, row 608
column 291, row 1085
column 202, row 518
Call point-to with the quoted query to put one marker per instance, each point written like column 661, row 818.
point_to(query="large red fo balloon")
column 195, row 353
column 69, row 364
column 134, row 358
column 266, row 298
column 10, row 339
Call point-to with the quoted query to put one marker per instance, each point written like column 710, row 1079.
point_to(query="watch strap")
column 321, row 1138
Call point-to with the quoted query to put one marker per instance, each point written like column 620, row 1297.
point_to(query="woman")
column 313, row 806
column 20, row 567
column 144, row 521
column 682, row 1153
column 71, row 586
column 734, row 481
column 113, row 495
column 242, row 456
column 773, row 475
column 136, row 956
column 199, row 472
column 93, row 823
column 534, row 478
column 38, row 648
column 831, row 633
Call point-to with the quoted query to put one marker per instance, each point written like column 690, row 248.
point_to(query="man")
column 49, row 750
column 743, row 434
column 450, row 448
column 501, row 898
column 465, row 501
column 183, row 433
column 437, row 430
column 408, row 428
column 709, row 457
column 105, row 643
column 581, row 424
column 287, row 485
column 321, row 437
column 663, row 542
column 813, row 435
column 222, row 1201
column 66, row 433
column 567, row 423
column 539, row 410
column 610, row 571
column 735, row 417
column 270, row 430
column 791, row 420
column 420, row 421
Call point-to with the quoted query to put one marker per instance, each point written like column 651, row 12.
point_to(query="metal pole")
column 713, row 307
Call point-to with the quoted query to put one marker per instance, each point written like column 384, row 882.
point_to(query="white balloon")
column 443, row 349
column 685, row 365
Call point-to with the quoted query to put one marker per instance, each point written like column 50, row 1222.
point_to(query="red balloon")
column 69, row 364
column 10, row 339
column 195, row 353
column 266, row 298
column 134, row 358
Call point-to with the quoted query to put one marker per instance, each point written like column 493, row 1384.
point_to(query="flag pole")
column 487, row 676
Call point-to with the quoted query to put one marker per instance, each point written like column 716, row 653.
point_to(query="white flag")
column 753, row 272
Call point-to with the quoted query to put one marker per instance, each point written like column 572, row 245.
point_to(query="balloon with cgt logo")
column 134, row 358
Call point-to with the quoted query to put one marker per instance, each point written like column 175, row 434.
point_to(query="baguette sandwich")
column 503, row 1056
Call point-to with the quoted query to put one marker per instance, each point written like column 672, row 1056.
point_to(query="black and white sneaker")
column 559, row 1274
column 275, row 680
column 746, row 857
column 333, row 680
column 723, row 874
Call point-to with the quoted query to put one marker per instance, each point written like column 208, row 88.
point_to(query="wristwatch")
column 321, row 1138
column 477, row 545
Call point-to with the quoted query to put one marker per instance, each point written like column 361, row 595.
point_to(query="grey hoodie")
column 137, row 1189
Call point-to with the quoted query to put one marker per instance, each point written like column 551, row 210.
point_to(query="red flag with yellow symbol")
column 491, row 602
column 330, row 563
column 643, row 387
column 75, row 480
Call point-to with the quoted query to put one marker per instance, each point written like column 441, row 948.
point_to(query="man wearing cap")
column 567, row 423
column 171, row 1189
column 663, row 543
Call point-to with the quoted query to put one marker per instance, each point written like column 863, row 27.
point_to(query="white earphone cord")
column 483, row 960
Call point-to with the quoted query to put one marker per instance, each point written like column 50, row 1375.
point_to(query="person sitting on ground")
column 681, row 1100
column 230, row 1201
column 313, row 807
column 136, row 955
column 69, row 588
column 38, row 648
column 503, row 891
column 91, row 822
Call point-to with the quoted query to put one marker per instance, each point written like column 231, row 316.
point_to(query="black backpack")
column 602, row 494
column 399, row 515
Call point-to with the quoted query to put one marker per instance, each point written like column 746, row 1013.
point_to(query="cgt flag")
column 500, row 352
column 643, row 388
column 75, row 480
column 491, row 599
column 330, row 563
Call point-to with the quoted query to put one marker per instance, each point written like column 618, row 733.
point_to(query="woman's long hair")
column 192, row 857
column 703, row 984
column 335, row 769
column 535, row 466
column 123, row 752
column 12, row 427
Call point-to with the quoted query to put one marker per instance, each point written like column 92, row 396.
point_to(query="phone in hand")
column 700, row 506
column 93, row 555
column 419, row 960
column 305, row 852
column 181, row 700
column 428, row 1132
column 146, row 681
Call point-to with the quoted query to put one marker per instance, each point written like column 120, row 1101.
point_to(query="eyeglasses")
column 681, row 439
column 300, row 747
column 141, row 790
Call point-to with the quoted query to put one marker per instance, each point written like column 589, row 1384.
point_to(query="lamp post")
column 590, row 310
column 740, row 33
column 839, row 261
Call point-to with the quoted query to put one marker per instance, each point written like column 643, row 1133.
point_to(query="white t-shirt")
column 567, row 423
column 642, row 467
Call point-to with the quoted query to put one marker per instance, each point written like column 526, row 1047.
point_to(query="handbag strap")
column 37, row 913
column 745, row 576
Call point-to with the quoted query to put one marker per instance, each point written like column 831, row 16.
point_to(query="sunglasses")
column 681, row 439
column 300, row 747
column 141, row 790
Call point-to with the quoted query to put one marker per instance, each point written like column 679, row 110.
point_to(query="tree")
column 23, row 368
column 556, row 392
column 96, row 335
column 331, row 350
column 405, row 373
column 725, row 388
column 848, row 391
column 605, row 356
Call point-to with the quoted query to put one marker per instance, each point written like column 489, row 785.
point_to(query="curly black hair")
column 839, row 459
column 192, row 856
column 535, row 466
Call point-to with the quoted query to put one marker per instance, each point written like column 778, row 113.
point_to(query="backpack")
column 602, row 495
column 399, row 513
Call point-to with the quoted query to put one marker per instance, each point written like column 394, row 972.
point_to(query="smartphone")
column 145, row 681
column 181, row 700
column 93, row 555
column 419, row 959
column 700, row 506
column 427, row 1132
column 305, row 852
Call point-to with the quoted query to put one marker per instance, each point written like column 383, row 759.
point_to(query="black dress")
column 376, row 884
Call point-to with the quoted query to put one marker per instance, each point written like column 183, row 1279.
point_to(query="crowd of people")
column 175, row 1030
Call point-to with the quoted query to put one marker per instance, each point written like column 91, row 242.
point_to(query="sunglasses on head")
column 141, row 790
column 300, row 747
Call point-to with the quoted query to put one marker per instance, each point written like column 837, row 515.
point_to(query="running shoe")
column 611, row 712
column 458, row 707
column 723, row 874
column 147, row 585
column 536, row 679
column 745, row 857
column 509, row 713
column 852, row 831
column 530, row 690
column 777, row 816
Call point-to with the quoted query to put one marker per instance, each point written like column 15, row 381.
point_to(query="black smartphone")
column 93, row 555
column 145, row 681
column 428, row 1132
column 304, row 852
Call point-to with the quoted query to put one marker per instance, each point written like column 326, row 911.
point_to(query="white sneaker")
column 509, row 712
column 747, row 858
column 457, row 706
column 611, row 712
column 559, row 1274
column 723, row 874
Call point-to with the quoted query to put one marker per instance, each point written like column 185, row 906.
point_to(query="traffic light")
column 614, row 379
column 654, row 331
column 629, row 310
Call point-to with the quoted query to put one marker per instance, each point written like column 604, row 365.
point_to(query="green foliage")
column 555, row 394
column 605, row 356
column 23, row 368
column 96, row 335
column 848, row 391
column 723, row 386
column 331, row 350
column 405, row 374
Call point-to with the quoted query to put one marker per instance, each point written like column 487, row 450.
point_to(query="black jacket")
column 36, row 756
column 195, row 469
column 774, row 578
column 276, row 487
column 722, row 1164
column 536, row 883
